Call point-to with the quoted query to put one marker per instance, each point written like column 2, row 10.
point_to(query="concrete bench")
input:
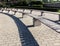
column 50, row 24
column 51, row 15
column 27, row 11
column 36, row 12
column 21, row 10
column 54, row 16
column 4, row 9
column 37, row 20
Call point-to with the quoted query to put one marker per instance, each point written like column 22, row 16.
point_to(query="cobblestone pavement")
column 45, row 36
column 9, row 35
column 13, row 32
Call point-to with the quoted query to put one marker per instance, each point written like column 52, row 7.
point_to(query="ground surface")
column 8, row 32
column 40, row 35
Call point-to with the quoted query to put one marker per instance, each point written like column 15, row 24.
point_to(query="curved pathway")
column 8, row 32
column 14, row 33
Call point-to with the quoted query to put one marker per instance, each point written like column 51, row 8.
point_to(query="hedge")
column 38, row 8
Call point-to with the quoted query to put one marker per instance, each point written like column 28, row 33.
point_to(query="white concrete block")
column 27, row 20
column 27, row 11
column 11, row 12
column 5, row 11
column 36, row 12
column 20, row 10
column 50, row 16
column 0, row 10
column 18, row 14
column 14, row 9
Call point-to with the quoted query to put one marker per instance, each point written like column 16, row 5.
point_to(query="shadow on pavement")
column 26, row 37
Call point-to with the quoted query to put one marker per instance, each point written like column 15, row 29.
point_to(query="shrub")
column 35, row 3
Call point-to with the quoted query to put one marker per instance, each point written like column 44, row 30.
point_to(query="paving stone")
column 9, row 35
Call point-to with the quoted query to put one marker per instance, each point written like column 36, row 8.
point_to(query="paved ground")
column 11, row 35
column 45, row 36
column 13, row 32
